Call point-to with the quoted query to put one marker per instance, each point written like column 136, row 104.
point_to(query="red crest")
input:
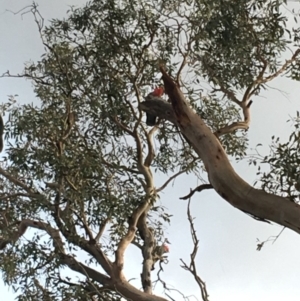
column 158, row 91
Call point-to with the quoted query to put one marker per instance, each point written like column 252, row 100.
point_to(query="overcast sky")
column 227, row 258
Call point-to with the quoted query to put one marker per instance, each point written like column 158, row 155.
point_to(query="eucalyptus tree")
column 80, row 163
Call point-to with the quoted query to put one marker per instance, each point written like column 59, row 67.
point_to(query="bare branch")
column 45, row 293
column 151, row 154
column 240, row 125
column 129, row 236
column 144, row 206
column 137, row 245
column 254, row 86
column 122, row 167
column 23, row 10
column 197, row 189
column 192, row 266
column 264, row 68
column 89, row 246
column 170, row 180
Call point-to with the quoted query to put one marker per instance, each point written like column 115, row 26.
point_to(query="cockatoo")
column 159, row 251
column 157, row 93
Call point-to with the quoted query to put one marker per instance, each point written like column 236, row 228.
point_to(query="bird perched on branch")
column 158, row 253
column 157, row 93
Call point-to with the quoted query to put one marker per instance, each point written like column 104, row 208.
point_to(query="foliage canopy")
column 80, row 162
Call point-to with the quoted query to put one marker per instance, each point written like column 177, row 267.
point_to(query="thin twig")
column 170, row 179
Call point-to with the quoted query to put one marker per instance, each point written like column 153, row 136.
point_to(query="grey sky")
column 227, row 258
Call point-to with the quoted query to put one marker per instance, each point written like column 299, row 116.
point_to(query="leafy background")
column 227, row 258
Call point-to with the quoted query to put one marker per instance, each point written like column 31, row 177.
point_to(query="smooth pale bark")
column 227, row 183
column 131, row 293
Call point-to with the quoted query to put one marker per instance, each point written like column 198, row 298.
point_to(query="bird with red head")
column 157, row 92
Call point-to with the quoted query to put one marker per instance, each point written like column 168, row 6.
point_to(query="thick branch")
column 147, row 249
column 24, row 224
column 245, row 105
column 151, row 153
column 128, row 238
column 163, row 110
column 86, row 271
column 240, row 125
column 131, row 293
column 89, row 246
column 227, row 183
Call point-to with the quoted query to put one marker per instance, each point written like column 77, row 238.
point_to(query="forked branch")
column 192, row 266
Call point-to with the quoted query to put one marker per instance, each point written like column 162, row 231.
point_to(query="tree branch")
column 24, row 224
column 149, row 241
column 226, row 182
column 240, row 125
column 76, row 266
column 192, row 266
column 17, row 182
column 197, row 189
column 129, row 236
column 170, row 179
column 151, row 154
column 280, row 70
